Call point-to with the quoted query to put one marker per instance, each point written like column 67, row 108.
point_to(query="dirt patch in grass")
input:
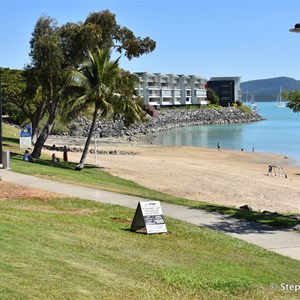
column 12, row 191
column 122, row 220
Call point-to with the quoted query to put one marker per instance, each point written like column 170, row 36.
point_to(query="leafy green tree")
column 32, row 102
column 100, row 30
column 22, row 98
column 102, row 85
column 293, row 98
column 13, row 87
column 46, row 67
column 56, row 49
column 211, row 96
column 127, row 105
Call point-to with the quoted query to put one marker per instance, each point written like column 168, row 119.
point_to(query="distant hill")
column 268, row 89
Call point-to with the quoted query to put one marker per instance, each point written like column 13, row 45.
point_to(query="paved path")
column 283, row 242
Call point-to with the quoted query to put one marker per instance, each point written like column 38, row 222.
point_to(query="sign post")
column 26, row 137
column 149, row 216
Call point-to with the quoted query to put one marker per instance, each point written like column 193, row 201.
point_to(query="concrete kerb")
column 284, row 242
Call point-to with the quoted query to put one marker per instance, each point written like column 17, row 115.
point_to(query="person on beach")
column 270, row 170
column 54, row 158
column 218, row 146
column 65, row 153
column 26, row 155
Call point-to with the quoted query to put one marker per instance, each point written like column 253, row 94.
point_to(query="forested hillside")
column 267, row 89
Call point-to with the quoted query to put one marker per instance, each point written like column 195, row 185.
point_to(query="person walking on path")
column 65, row 153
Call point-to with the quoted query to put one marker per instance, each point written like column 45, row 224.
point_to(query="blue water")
column 279, row 133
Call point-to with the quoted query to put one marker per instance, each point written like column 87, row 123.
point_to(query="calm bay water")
column 279, row 133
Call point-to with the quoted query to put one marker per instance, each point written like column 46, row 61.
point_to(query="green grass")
column 245, row 109
column 97, row 178
column 63, row 248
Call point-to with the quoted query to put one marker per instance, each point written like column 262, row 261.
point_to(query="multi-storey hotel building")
column 171, row 90
column 227, row 89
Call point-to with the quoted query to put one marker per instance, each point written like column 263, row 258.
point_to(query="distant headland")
column 265, row 90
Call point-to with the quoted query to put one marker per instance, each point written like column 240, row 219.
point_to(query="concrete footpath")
column 284, row 242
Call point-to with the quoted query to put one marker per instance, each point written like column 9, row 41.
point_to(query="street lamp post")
column 296, row 28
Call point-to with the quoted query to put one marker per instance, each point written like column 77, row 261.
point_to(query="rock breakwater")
column 166, row 119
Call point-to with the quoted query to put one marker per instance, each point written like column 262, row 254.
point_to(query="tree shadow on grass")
column 50, row 163
column 229, row 224
column 11, row 140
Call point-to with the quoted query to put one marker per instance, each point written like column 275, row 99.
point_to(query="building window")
column 226, row 92
column 177, row 93
column 167, row 93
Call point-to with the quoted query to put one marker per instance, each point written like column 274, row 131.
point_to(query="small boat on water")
column 279, row 102
column 254, row 107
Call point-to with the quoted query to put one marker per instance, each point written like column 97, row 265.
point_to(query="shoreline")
column 226, row 177
column 77, row 143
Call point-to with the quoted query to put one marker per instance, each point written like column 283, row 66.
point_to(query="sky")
column 208, row 38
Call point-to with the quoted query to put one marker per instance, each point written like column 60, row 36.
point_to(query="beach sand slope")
column 223, row 177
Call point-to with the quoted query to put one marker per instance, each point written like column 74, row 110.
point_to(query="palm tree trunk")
column 80, row 166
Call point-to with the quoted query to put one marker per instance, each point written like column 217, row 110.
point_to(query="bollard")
column 6, row 159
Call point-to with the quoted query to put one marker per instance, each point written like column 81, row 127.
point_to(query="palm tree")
column 125, row 100
column 98, row 85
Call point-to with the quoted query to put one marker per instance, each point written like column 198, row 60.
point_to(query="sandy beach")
column 221, row 177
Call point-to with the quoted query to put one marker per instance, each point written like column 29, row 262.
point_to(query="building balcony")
column 154, row 100
column 166, row 93
column 201, row 93
column 154, row 87
column 167, row 101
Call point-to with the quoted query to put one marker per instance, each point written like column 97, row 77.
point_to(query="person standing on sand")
column 65, row 153
column 218, row 146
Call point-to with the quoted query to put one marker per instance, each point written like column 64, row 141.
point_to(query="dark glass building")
column 226, row 88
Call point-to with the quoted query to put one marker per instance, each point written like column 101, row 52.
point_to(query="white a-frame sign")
column 149, row 215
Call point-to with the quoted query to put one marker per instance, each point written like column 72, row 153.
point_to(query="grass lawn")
column 62, row 248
